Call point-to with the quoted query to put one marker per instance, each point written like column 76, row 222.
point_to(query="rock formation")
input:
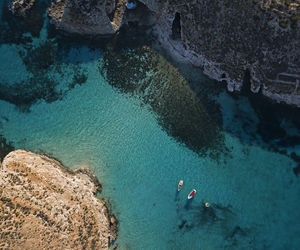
column 83, row 16
column 21, row 7
column 43, row 205
column 228, row 39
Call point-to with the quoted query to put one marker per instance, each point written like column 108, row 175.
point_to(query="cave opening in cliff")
column 176, row 27
column 140, row 14
column 246, row 87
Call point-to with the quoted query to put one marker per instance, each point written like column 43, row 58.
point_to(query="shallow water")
column 130, row 134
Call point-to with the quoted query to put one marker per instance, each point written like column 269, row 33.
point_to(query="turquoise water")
column 134, row 145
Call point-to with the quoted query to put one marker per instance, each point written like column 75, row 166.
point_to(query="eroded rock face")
column 224, row 38
column 44, row 205
column 84, row 17
column 227, row 38
column 93, row 18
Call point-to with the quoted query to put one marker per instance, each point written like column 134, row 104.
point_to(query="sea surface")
column 142, row 122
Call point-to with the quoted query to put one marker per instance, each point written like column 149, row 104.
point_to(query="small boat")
column 192, row 194
column 180, row 185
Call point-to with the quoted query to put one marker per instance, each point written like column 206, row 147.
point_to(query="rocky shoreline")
column 228, row 40
column 45, row 205
column 231, row 40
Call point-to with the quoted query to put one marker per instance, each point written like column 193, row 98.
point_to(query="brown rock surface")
column 43, row 205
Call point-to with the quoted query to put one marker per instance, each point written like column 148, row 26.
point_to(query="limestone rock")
column 84, row 17
column 228, row 38
column 44, row 205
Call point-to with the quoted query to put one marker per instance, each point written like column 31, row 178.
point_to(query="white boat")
column 192, row 194
column 180, row 185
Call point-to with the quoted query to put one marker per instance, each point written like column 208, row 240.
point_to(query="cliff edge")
column 44, row 205
column 234, row 40
column 87, row 17
column 231, row 40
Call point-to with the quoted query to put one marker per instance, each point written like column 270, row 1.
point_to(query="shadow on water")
column 255, row 119
column 216, row 219
column 176, row 195
column 273, row 126
column 188, row 204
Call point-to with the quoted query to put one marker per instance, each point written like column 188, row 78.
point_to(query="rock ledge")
column 44, row 205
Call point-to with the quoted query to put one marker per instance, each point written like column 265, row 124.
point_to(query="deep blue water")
column 142, row 122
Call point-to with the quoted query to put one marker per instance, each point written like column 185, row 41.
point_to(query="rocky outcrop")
column 43, row 205
column 224, row 38
column 83, row 17
column 93, row 18
column 228, row 38
column 21, row 7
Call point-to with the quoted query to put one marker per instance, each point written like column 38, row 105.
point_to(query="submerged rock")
column 45, row 205
column 147, row 75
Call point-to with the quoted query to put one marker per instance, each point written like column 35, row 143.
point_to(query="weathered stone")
column 44, row 205
column 82, row 17
column 224, row 38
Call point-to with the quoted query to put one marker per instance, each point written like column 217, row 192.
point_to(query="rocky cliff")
column 228, row 39
column 87, row 17
column 43, row 205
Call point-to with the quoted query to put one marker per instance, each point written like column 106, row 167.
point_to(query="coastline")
column 47, row 205
column 273, row 73
column 124, row 142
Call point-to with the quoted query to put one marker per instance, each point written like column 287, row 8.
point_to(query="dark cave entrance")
column 246, row 87
column 176, row 27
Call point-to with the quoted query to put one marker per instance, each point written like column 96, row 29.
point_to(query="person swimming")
column 180, row 185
